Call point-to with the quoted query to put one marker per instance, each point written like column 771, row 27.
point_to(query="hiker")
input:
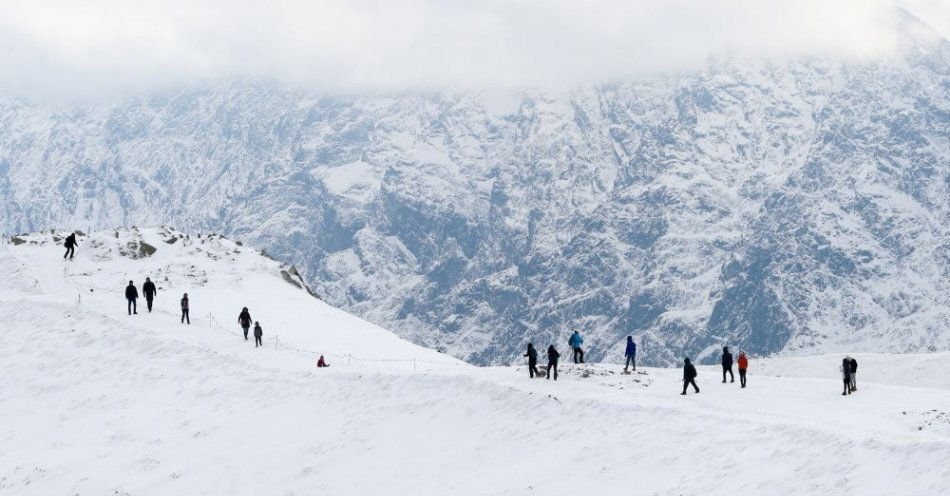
column 532, row 355
column 321, row 362
column 70, row 245
column 854, row 375
column 245, row 320
column 131, row 294
column 727, row 365
column 184, row 310
column 148, row 289
column 575, row 343
column 631, row 354
column 689, row 376
column 846, row 375
column 743, row 363
column 258, row 334
column 553, row 355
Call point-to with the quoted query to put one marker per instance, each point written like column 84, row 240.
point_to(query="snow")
column 355, row 180
column 94, row 401
column 220, row 278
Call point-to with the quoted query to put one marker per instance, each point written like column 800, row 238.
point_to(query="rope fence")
column 348, row 357
column 215, row 324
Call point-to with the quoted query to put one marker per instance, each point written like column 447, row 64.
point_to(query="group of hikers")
column 575, row 342
column 690, row 374
column 849, row 366
column 630, row 353
column 149, row 290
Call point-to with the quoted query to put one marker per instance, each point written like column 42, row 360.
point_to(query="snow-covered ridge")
column 96, row 401
column 220, row 276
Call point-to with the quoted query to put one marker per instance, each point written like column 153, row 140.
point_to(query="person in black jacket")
column 846, row 375
column 148, row 289
column 727, row 365
column 854, row 375
column 258, row 334
column 532, row 355
column 244, row 319
column 689, row 376
column 553, row 355
column 70, row 245
column 131, row 294
column 185, row 307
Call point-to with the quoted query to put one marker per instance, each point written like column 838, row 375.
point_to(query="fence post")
column 413, row 364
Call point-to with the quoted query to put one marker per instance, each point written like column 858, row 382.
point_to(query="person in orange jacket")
column 743, row 363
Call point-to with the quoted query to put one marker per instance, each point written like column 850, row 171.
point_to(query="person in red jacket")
column 743, row 365
column 321, row 362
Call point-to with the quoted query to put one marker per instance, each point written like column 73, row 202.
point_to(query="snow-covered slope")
column 94, row 401
column 779, row 205
column 220, row 277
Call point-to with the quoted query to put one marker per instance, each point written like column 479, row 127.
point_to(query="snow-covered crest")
column 220, row 276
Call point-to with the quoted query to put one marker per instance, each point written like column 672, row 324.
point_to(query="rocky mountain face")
column 769, row 205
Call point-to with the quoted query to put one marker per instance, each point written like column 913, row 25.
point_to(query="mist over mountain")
column 787, row 204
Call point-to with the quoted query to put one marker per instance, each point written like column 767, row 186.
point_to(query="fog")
column 100, row 47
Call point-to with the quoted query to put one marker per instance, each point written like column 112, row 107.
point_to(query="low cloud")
column 102, row 47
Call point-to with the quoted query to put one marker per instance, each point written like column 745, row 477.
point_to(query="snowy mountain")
column 797, row 206
column 96, row 401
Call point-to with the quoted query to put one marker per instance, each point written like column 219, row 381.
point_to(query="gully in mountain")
column 689, row 376
column 131, row 295
column 149, row 290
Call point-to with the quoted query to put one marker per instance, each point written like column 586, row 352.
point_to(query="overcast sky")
column 96, row 47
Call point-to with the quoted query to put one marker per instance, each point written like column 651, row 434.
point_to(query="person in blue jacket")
column 575, row 343
column 631, row 354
